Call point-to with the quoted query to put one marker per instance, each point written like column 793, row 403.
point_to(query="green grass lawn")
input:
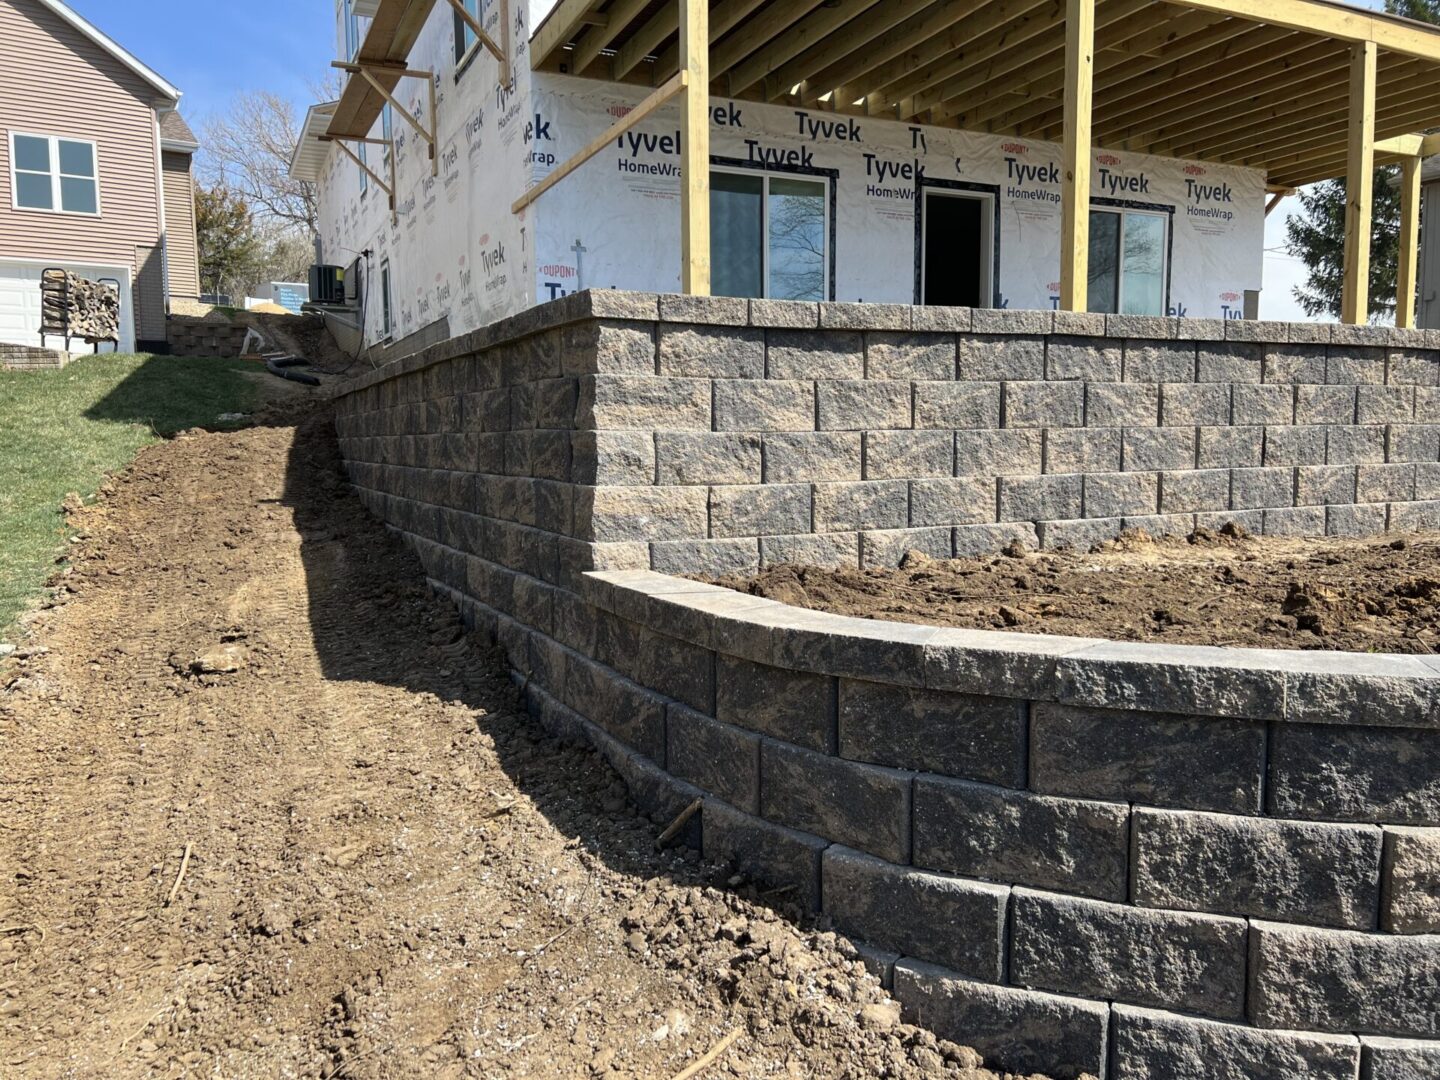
column 63, row 431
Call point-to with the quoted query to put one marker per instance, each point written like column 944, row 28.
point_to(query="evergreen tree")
column 231, row 249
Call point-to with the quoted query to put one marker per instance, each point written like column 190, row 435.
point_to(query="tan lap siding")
column 181, row 259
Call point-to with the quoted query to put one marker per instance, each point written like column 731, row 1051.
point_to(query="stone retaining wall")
column 1134, row 861
column 189, row 336
column 31, row 358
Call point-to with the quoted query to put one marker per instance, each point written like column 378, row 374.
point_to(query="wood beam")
column 1331, row 20
column 814, row 28
column 726, row 16
column 695, row 148
column 598, row 38
column 1408, row 273
column 1075, row 184
column 872, row 43
column 428, row 134
column 1276, row 198
column 486, row 41
column 1359, row 184
column 558, row 29
column 371, row 173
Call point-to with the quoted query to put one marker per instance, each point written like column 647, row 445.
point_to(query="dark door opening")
column 957, row 250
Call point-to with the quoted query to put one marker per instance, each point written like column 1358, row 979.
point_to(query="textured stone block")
column 1093, row 359
column 711, row 310
column 1325, row 404
column 1078, row 323
column 1230, row 447
column 1427, row 405
column 642, row 402
column 1303, row 445
column 1230, row 362
column 879, row 504
column 1427, row 481
column 1347, row 364
column 760, row 510
column 812, row 457
column 1295, row 521
column 613, row 457
column 1148, row 361
column 1253, row 489
column 1385, row 483
column 1118, row 404
column 991, row 358
column 793, row 706
column 759, row 849
column 1156, row 758
column 885, row 549
column 863, row 404
column 786, row 314
column 1385, row 404
column 625, row 710
column 828, row 550
column 619, row 514
column 716, row 757
column 1040, row 498
column 1320, row 485
column 1415, row 517
column 1299, row 871
column 1194, row 490
column 1262, row 404
column 977, row 540
column 619, row 348
column 1044, row 404
column 1410, row 889
column 860, row 316
column 1149, row 1045
column 1121, row 494
column 965, row 500
column 1355, row 521
column 1162, row 524
column 1347, row 773
column 957, row 405
column 1294, row 363
column 746, row 405
column 1078, row 535
column 814, row 354
column 1020, row 1031
column 940, row 919
column 1158, row 449
column 988, row 832
column 1412, row 442
column 909, row 356
column 1336, row 980
column 1193, row 963
column 713, row 558
column 1194, row 404
column 1398, row 1059
column 999, row 453
column 960, row 735
column 1412, row 367
column 710, row 352
column 707, row 457
column 1083, row 450
column 861, row 806
column 946, row 320
column 896, row 455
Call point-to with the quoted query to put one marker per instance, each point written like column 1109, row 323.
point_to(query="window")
column 769, row 236
column 352, row 29
column 1128, row 256
column 49, row 173
column 385, row 319
column 465, row 38
column 364, row 176
column 387, row 132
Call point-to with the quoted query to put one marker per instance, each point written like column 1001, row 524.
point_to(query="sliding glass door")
column 1129, row 252
column 769, row 235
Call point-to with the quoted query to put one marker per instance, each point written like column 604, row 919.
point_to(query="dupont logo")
column 620, row 111
column 1054, row 287
column 1015, row 148
column 558, row 271
column 1195, row 170
column 1229, row 297
column 1107, row 159
column 482, row 242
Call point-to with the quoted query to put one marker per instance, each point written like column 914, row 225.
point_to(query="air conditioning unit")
column 327, row 285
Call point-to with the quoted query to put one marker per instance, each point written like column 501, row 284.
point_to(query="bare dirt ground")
column 1223, row 588
column 391, row 871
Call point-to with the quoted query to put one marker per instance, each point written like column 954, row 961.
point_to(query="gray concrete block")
column 965, row 500
column 1044, row 404
column 1158, row 449
column 1325, row 404
column 1355, row 521
column 1194, row 404
column 1385, row 483
column 862, row 806
column 615, row 348
column 814, row 354
column 898, row 455
column 1020, row 1031
column 745, row 405
column 707, row 457
column 1295, row 521
column 1264, row 403
column 1012, row 321
column 712, row 310
column 1078, row 323
column 1303, row 978
column 957, row 405
column 1414, row 517
column 1078, row 535
column 1298, row 871
column 1040, row 498
column 1093, row 359
column 1349, row 365
column 620, row 514
column 1254, row 489
column 759, row 510
column 1321, row 485
column 1410, row 885
column 1294, row 363
column 877, row 504
column 1121, row 494
column 863, row 404
column 1427, row 405
column 813, row 457
column 1343, row 773
column 826, row 550
column 1385, row 404
column 972, row 541
column 1189, row 491
column 1303, row 445
column 644, row 403
column 613, row 457
column 1160, row 759
column 1230, row 447
column 879, row 963
column 1116, row 404
column 1412, row 442
column 960, row 735
column 1193, row 963
column 885, row 549
column 858, row 316
column 1160, row 361
column 1412, row 367
column 999, row 453
column 944, row 920
column 1149, row 1045
column 1427, row 481
column 712, row 558
column 793, row 706
column 1162, row 524
column 1230, row 362
column 785, row 314
column 1398, row 1059
column 625, row 710
column 716, row 757
column 909, row 356
column 710, row 352
column 1083, row 450
column 1143, row 327
column 771, row 854
column 946, row 320
column 990, row 358
column 1074, row 845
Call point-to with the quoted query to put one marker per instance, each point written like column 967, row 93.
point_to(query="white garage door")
column 20, row 303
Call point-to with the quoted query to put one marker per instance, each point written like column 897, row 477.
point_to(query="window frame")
column 827, row 181
column 1167, row 219
column 352, row 28
column 387, row 320
column 986, row 194
column 465, row 51
column 56, row 175
column 364, row 164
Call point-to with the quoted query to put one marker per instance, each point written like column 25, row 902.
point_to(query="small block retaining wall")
column 31, row 358
column 1075, row 855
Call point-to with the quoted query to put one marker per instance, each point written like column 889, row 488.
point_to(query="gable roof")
column 114, row 49
column 175, row 133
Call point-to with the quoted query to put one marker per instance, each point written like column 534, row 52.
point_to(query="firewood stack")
column 73, row 306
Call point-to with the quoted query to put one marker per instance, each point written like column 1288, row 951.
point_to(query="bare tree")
column 248, row 150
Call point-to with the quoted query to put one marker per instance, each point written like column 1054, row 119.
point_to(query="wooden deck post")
column 1075, row 185
column 1359, row 185
column 1407, row 277
column 695, row 149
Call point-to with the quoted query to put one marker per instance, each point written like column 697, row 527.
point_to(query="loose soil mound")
column 391, row 871
column 1208, row 589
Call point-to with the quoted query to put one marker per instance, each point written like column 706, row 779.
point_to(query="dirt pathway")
column 392, row 872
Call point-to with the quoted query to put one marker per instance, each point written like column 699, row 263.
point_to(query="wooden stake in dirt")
column 184, row 862
column 673, row 829
column 711, row 1056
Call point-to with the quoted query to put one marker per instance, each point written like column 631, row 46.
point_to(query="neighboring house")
column 94, row 172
